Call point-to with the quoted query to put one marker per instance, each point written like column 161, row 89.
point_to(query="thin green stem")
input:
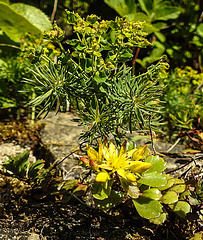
column 61, row 46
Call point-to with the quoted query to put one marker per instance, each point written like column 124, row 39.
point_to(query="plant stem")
column 150, row 130
column 54, row 10
column 33, row 108
column 9, row 45
column 134, row 60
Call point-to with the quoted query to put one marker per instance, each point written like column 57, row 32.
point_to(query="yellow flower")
column 102, row 177
column 94, row 155
column 111, row 160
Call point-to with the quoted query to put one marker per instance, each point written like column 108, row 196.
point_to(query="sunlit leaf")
column 146, row 6
column 169, row 197
column 179, row 186
column 170, row 183
column 181, row 208
column 18, row 19
column 167, row 13
column 122, row 7
column 147, row 208
column 152, row 193
column 159, row 220
column 33, row 15
column 200, row 30
column 153, row 179
column 158, row 164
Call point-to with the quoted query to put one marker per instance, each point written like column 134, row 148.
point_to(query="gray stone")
column 10, row 149
column 61, row 135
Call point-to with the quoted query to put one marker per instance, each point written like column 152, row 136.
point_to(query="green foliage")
column 18, row 165
column 164, row 21
column 155, row 14
column 16, row 20
column 138, row 175
column 12, row 70
column 183, row 99
column 153, row 10
column 14, row 66
column 111, row 201
column 92, row 76
column 22, row 19
column 41, row 179
column 104, row 44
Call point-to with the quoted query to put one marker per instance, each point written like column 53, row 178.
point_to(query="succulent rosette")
column 139, row 175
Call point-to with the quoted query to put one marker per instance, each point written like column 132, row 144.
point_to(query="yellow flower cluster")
column 189, row 74
column 110, row 161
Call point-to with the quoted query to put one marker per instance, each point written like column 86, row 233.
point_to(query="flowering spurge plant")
column 135, row 172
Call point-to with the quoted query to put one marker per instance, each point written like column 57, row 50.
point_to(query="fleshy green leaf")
column 147, row 208
column 101, row 190
column 115, row 197
column 140, row 16
column 179, row 186
column 153, row 179
column 170, row 183
column 169, row 197
column 152, row 193
column 100, row 77
column 181, row 208
column 159, row 220
column 200, row 30
column 158, row 164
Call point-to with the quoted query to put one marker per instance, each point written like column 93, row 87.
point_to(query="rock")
column 10, row 149
column 61, row 135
